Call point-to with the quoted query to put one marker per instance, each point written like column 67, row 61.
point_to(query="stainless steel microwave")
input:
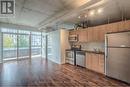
column 73, row 38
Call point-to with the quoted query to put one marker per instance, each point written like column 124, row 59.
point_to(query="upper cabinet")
column 102, row 32
column 82, row 35
column 95, row 31
column 124, row 25
column 97, row 34
column 90, row 34
column 127, row 25
column 113, row 27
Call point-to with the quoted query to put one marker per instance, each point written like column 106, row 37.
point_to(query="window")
column 36, row 43
column 19, row 44
column 49, row 47
column 0, row 47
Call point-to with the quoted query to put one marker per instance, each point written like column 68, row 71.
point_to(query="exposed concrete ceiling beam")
column 66, row 13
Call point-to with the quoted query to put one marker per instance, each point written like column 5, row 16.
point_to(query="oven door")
column 69, row 54
column 70, row 57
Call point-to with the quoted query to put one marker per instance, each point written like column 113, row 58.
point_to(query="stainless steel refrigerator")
column 118, row 56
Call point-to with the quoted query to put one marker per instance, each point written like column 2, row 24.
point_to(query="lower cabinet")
column 88, row 61
column 95, row 62
column 101, row 68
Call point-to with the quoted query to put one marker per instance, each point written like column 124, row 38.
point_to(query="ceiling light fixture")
column 85, row 16
column 79, row 17
column 92, row 12
column 100, row 10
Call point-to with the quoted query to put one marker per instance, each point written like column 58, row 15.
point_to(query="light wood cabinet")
column 124, row 25
column 102, row 31
column 95, row 62
column 121, row 26
column 90, row 34
column 88, row 61
column 127, row 25
column 95, row 31
column 82, row 35
column 113, row 27
column 101, row 61
column 97, row 34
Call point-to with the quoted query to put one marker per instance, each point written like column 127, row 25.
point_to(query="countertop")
column 87, row 51
column 96, row 52
column 93, row 52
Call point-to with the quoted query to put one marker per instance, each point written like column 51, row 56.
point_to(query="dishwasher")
column 80, row 58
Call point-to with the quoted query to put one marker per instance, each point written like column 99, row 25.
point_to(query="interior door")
column 36, row 44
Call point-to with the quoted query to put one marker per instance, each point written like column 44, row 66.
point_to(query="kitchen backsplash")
column 98, row 46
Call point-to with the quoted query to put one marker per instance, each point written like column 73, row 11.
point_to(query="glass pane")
column 36, row 33
column 0, row 47
column 23, row 32
column 5, row 30
column 43, row 46
column 9, row 46
column 21, row 49
column 23, row 46
column 36, row 45
column 49, row 47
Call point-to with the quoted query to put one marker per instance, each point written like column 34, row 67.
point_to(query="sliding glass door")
column 23, row 46
column 44, row 45
column 0, row 47
column 36, row 44
column 9, row 46
column 49, row 46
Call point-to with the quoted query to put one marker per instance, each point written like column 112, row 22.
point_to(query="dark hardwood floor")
column 42, row 73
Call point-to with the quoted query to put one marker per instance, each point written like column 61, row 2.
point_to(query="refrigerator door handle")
column 106, row 53
column 106, row 46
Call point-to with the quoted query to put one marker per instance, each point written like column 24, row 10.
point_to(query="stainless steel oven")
column 70, row 57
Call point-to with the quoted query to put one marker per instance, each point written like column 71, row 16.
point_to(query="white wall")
column 64, row 44
column 59, row 45
column 56, row 50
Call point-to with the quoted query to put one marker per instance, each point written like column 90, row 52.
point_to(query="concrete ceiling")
column 34, row 12
column 42, row 14
column 112, row 11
